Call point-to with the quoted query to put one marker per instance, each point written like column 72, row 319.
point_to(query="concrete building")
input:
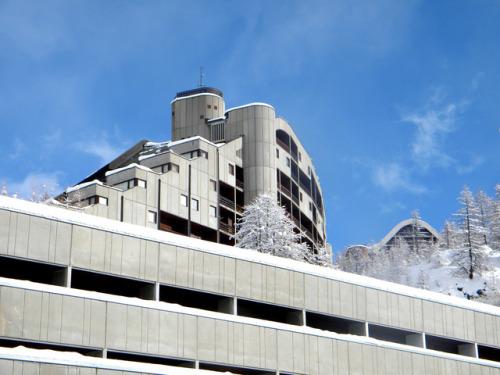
column 134, row 300
column 218, row 161
column 413, row 233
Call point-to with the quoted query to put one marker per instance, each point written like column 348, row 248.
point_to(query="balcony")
column 225, row 227
column 226, row 202
column 283, row 145
column 239, row 184
column 285, row 190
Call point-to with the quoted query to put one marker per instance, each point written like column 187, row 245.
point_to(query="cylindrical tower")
column 191, row 109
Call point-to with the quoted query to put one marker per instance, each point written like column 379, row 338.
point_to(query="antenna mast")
column 201, row 84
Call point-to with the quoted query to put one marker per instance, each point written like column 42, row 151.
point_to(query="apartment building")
column 217, row 161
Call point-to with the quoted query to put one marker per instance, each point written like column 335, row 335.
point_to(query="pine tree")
column 495, row 221
column 450, row 236
column 469, row 255
column 265, row 227
column 485, row 206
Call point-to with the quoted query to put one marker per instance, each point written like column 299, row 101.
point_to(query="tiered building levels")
column 218, row 161
column 135, row 300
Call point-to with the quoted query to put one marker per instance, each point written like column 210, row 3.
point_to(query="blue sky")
column 397, row 102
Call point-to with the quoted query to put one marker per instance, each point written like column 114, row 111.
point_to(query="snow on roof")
column 170, row 307
column 404, row 223
column 85, row 184
column 193, row 96
column 21, row 353
column 216, row 119
column 133, row 165
column 190, row 139
column 144, row 157
column 109, row 225
column 249, row 105
column 156, row 144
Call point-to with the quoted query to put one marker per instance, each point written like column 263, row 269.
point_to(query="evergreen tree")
column 485, row 207
column 468, row 256
column 495, row 221
column 266, row 227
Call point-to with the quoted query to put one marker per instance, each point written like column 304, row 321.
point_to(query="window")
column 204, row 154
column 202, row 117
column 209, row 106
column 277, row 153
column 98, row 200
column 231, row 169
column 125, row 185
column 300, row 196
column 172, row 167
column 184, row 200
column 287, row 162
column 215, row 107
column 213, row 185
column 151, row 216
column 310, row 206
column 300, row 156
column 309, row 170
column 213, row 211
column 195, row 204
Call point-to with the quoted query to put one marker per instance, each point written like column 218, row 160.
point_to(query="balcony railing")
column 307, row 232
column 226, row 202
column 229, row 229
column 283, row 145
column 285, row 190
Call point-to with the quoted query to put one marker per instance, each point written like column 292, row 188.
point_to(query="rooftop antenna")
column 201, row 84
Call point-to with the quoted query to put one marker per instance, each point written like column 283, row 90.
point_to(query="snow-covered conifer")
column 265, row 227
column 468, row 256
column 485, row 207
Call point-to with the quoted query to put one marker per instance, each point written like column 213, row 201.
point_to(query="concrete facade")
column 122, row 292
column 218, row 161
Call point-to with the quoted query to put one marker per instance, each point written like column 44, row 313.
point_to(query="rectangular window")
column 213, row 185
column 209, row 106
column 300, row 196
column 310, row 206
column 202, row 117
column 103, row 201
column 91, row 201
column 184, row 200
column 287, row 162
column 171, row 167
column 213, row 211
column 231, row 169
column 195, row 204
column 277, row 153
column 204, row 154
column 215, row 107
column 300, row 156
column 151, row 216
column 141, row 183
column 309, row 170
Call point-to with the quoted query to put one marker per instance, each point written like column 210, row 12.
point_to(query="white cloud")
column 19, row 149
column 100, row 148
column 392, row 176
column 433, row 123
column 475, row 163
